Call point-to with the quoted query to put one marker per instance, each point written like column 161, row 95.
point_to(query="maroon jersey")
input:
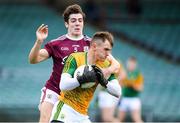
column 59, row 49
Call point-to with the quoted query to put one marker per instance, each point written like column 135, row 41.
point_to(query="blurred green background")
column 147, row 29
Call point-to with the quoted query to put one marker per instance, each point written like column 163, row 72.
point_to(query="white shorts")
column 48, row 95
column 66, row 114
column 106, row 100
column 130, row 104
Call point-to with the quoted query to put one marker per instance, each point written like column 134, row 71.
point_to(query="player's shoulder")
column 62, row 37
column 58, row 40
column 78, row 57
column 136, row 73
column 103, row 64
column 78, row 54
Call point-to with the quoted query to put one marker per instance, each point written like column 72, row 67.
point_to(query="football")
column 79, row 71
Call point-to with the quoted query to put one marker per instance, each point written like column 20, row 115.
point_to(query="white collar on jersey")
column 75, row 39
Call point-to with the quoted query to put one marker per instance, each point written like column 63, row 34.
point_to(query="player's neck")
column 74, row 37
column 91, row 58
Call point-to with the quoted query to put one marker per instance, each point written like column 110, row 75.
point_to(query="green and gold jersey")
column 133, row 78
column 79, row 98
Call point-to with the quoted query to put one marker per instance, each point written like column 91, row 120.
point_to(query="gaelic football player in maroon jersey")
column 59, row 49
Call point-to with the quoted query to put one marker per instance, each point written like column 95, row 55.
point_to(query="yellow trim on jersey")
column 66, row 66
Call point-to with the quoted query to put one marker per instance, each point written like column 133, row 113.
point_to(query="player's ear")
column 94, row 45
column 66, row 24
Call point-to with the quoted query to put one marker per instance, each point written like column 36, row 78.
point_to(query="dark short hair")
column 103, row 35
column 72, row 9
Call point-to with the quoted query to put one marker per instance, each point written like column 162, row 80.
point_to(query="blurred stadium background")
column 147, row 29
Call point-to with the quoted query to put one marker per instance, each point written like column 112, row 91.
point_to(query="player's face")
column 131, row 65
column 102, row 50
column 75, row 25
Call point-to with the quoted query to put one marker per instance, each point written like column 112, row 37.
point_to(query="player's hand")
column 100, row 76
column 42, row 33
column 115, row 66
column 89, row 75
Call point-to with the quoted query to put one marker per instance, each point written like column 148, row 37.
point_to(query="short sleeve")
column 70, row 65
column 48, row 47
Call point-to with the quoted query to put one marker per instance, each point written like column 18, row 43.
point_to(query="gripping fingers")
column 97, row 69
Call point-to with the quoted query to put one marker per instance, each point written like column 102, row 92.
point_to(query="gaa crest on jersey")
column 86, row 48
column 75, row 47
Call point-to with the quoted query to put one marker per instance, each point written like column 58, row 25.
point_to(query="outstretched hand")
column 42, row 33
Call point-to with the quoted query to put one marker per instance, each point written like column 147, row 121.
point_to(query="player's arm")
column 114, row 88
column 121, row 75
column 37, row 54
column 67, row 81
column 112, row 85
column 113, row 68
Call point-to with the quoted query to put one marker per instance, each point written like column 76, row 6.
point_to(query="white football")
column 79, row 71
